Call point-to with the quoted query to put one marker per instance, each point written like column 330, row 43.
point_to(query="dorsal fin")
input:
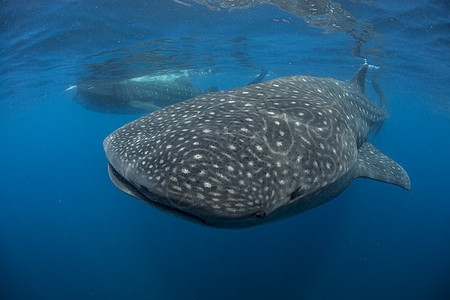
column 359, row 78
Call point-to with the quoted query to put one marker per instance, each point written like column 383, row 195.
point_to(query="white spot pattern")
column 228, row 155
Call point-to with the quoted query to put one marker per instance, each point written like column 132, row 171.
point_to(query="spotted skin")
column 254, row 154
column 136, row 95
column 140, row 94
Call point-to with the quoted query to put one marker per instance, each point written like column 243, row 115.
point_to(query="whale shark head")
column 254, row 154
column 208, row 168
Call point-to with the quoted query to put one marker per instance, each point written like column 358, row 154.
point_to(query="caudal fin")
column 358, row 80
column 380, row 93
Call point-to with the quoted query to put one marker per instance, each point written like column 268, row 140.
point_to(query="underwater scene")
column 225, row 149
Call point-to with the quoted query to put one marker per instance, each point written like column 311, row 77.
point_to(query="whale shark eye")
column 259, row 215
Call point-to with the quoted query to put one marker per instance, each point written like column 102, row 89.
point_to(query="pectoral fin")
column 375, row 165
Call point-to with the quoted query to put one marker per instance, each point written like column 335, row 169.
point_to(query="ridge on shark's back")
column 254, row 154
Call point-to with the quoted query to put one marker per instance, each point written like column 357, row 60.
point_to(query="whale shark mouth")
column 158, row 202
column 150, row 198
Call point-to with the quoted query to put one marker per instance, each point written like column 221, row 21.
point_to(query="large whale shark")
column 140, row 94
column 254, row 154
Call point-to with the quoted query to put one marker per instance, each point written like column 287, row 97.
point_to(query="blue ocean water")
column 66, row 232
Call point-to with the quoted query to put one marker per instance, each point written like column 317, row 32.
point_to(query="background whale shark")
column 141, row 94
column 254, row 154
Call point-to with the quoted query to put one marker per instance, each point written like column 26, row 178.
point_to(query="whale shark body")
column 136, row 95
column 141, row 94
column 254, row 154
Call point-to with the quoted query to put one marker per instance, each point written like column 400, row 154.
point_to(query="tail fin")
column 358, row 80
column 379, row 91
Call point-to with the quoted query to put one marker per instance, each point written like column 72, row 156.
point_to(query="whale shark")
column 254, row 154
column 140, row 94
